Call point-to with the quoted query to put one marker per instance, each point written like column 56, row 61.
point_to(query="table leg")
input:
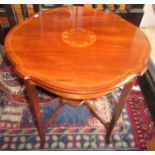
column 54, row 115
column 34, row 105
column 118, row 108
column 91, row 108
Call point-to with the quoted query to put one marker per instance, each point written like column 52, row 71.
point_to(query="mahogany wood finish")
column 119, row 107
column 54, row 115
column 151, row 144
column 34, row 104
column 78, row 54
column 37, row 49
column 92, row 108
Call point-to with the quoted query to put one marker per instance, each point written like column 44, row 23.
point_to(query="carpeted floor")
column 75, row 128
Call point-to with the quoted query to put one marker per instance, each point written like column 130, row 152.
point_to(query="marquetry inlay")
column 78, row 37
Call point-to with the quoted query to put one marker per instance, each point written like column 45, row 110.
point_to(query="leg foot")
column 107, row 138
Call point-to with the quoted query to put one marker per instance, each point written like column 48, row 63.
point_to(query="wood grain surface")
column 79, row 51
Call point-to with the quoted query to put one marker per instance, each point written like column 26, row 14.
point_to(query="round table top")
column 77, row 50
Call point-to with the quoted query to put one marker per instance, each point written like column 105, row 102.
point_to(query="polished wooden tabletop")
column 77, row 50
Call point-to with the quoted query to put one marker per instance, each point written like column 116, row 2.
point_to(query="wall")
column 148, row 19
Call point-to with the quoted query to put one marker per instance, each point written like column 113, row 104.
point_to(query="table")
column 151, row 144
column 78, row 54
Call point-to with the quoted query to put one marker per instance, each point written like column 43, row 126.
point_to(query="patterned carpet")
column 75, row 128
